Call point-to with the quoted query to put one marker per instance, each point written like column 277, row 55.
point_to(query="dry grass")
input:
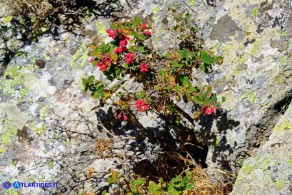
column 205, row 186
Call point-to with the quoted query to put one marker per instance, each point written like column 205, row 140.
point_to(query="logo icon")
column 7, row 185
column 16, row 185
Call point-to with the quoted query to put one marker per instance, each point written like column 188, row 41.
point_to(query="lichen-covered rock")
column 48, row 131
column 270, row 170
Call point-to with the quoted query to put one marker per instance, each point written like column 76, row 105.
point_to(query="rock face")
column 49, row 131
column 269, row 171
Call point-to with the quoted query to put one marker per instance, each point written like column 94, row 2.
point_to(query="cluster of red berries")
column 141, row 105
column 144, row 67
column 106, row 61
column 146, row 32
column 129, row 57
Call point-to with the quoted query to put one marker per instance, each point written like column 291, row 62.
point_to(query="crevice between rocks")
column 259, row 133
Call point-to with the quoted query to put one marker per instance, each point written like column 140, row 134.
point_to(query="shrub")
column 166, row 78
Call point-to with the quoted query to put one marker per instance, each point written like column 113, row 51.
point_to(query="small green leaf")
column 207, row 59
column 141, row 95
column 134, row 33
column 154, row 188
column 114, row 178
column 132, row 49
column 184, row 80
column 186, row 53
column 198, row 99
column 223, row 99
column 141, row 48
column 114, row 57
column 161, row 72
column 138, row 182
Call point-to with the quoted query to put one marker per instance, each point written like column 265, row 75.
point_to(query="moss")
column 80, row 57
column 279, row 184
column 246, row 169
column 285, row 125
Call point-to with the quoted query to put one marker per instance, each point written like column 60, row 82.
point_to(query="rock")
column 269, row 170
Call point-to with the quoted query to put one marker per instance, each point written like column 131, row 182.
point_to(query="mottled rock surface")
column 49, row 131
column 270, row 170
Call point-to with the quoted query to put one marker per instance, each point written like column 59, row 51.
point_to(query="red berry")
column 147, row 32
column 207, row 110
column 144, row 26
column 125, row 118
column 120, row 116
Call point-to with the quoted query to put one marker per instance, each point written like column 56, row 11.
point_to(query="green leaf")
column 177, row 65
column 132, row 49
column 114, row 57
column 141, row 95
column 134, row 189
column 90, row 78
column 141, row 48
column 223, row 99
column 184, row 80
column 207, row 59
column 161, row 72
column 95, row 52
column 134, row 33
column 114, row 178
column 188, row 16
column 154, row 188
column 141, row 37
column 198, row 99
column 186, row 53
column 138, row 182
column 103, row 192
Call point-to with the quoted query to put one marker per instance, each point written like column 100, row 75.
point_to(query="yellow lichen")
column 80, row 57
column 285, row 125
